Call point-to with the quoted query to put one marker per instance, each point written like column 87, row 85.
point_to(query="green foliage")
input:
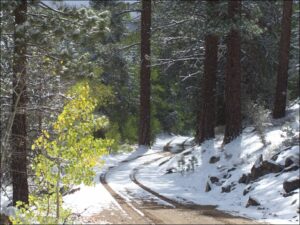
column 131, row 130
column 114, row 133
column 66, row 155
column 40, row 211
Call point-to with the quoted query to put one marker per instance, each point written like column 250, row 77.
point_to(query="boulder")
column 208, row 187
column 227, row 175
column 247, row 190
column 288, row 161
column 291, row 160
column 291, row 185
column 265, row 167
column 171, row 170
column 292, row 167
column 232, row 169
column 213, row 179
column 245, row 179
column 226, row 189
column 214, row 159
column 167, row 147
column 252, row 202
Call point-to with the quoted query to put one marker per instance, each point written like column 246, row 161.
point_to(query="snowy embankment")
column 90, row 200
column 210, row 174
column 217, row 177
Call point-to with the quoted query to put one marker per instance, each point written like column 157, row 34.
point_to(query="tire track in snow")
column 137, row 214
column 210, row 211
column 206, row 213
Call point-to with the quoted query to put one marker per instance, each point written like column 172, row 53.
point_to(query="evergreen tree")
column 145, row 73
column 19, row 126
column 283, row 62
column 206, row 118
column 233, row 76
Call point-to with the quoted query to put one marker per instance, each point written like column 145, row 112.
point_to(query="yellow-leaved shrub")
column 65, row 156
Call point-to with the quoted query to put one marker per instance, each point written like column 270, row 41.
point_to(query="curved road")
column 142, row 211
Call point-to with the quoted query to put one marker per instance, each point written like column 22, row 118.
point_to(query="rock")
column 288, row 161
column 167, row 147
column 292, row 167
column 245, row 179
column 265, row 167
column 247, row 190
column 227, row 188
column 227, row 175
column 291, row 185
column 208, row 187
column 294, row 202
column 170, row 170
column 214, row 179
column 291, row 160
column 289, row 194
column 274, row 157
column 232, row 169
column 214, row 159
column 252, row 202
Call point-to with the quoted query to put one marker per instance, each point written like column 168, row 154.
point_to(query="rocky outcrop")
column 265, row 167
column 214, row 179
column 245, row 179
column 291, row 185
column 226, row 189
column 259, row 169
column 247, row 190
column 214, row 159
column 208, row 187
column 252, row 202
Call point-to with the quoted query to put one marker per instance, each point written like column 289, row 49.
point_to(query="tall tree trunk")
column 18, row 133
column 282, row 71
column 145, row 72
column 233, row 77
column 206, row 118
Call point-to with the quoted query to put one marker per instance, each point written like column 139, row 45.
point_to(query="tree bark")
column 206, row 118
column 145, row 72
column 18, row 133
column 233, row 77
column 282, row 71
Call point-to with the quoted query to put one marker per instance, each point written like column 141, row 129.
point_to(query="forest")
column 149, row 112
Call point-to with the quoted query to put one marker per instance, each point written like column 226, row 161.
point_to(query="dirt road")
column 145, row 211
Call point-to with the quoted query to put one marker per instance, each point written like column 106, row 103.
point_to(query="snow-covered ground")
column 165, row 176
column 90, row 200
column 236, row 158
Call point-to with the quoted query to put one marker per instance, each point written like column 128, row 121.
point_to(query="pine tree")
column 19, row 127
column 283, row 65
column 233, row 76
column 206, row 118
column 145, row 73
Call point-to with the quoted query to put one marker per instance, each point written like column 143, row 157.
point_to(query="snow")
column 241, row 154
column 5, row 199
column 90, row 200
column 185, row 185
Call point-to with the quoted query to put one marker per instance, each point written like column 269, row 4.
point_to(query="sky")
column 78, row 3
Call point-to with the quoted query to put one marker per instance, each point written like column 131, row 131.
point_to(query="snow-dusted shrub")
column 65, row 155
column 258, row 115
